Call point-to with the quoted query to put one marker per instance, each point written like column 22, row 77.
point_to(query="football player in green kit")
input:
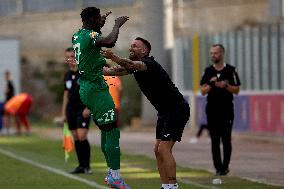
column 94, row 93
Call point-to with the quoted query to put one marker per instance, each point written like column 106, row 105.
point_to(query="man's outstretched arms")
column 108, row 71
column 114, row 71
column 129, row 65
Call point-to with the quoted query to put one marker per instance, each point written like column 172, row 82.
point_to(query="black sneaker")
column 78, row 170
column 225, row 172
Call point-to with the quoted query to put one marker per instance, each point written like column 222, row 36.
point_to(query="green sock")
column 103, row 147
column 112, row 148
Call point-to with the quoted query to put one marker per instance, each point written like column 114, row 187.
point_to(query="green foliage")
column 58, row 90
column 54, row 76
column 131, row 97
column 38, row 75
column 131, row 100
column 45, row 83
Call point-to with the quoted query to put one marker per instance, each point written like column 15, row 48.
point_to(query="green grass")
column 140, row 172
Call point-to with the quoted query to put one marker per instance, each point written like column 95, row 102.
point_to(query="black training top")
column 71, row 84
column 10, row 90
column 157, row 86
column 217, row 95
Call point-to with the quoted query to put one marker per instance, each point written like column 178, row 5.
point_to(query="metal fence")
column 257, row 52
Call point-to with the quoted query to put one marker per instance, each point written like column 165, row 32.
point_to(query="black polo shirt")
column 10, row 90
column 217, row 95
column 71, row 84
column 157, row 86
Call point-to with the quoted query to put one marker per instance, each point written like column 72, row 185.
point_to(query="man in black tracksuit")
column 220, row 81
column 173, row 110
column 77, row 116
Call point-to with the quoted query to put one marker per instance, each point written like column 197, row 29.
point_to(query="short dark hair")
column 220, row 46
column 7, row 72
column 145, row 42
column 69, row 49
column 89, row 12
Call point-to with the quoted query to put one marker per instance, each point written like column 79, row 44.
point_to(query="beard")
column 215, row 60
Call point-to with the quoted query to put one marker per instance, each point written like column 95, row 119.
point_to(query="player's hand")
column 107, row 54
column 121, row 20
column 103, row 18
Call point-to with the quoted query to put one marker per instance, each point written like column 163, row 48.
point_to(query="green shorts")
column 100, row 104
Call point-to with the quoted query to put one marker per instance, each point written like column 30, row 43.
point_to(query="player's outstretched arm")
column 129, row 65
column 110, row 40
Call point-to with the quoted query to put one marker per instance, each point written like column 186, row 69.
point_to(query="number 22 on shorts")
column 109, row 115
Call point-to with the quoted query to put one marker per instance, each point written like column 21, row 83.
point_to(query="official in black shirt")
column 77, row 116
column 220, row 81
column 10, row 91
column 173, row 110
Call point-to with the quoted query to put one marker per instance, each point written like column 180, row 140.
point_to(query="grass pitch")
column 32, row 162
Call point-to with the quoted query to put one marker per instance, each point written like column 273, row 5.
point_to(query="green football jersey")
column 94, row 91
column 88, row 58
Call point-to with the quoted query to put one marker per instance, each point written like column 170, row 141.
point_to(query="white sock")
column 173, row 186
column 115, row 173
column 165, row 186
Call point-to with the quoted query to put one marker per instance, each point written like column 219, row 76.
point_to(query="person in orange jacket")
column 19, row 106
column 115, row 88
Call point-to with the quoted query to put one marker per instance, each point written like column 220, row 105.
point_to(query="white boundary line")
column 51, row 169
column 90, row 183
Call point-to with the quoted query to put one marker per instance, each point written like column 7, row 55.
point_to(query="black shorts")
column 76, row 120
column 170, row 126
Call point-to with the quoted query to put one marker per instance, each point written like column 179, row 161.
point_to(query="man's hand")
column 107, row 54
column 86, row 113
column 221, row 84
column 121, row 20
column 103, row 18
column 213, row 79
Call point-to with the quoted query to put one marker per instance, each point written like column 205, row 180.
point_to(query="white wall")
column 9, row 60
